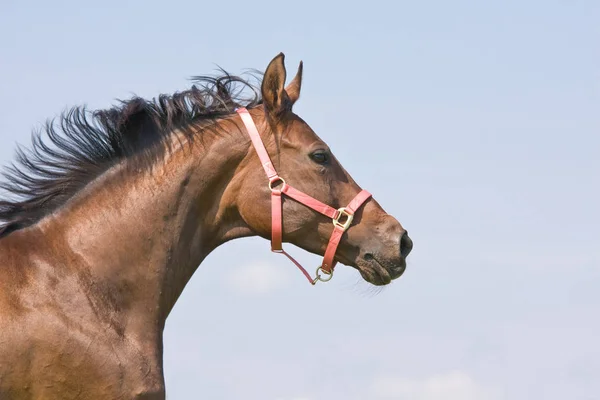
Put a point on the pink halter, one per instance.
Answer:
(342, 218)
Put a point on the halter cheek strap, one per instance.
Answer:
(341, 218)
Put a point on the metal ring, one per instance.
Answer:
(275, 180)
(319, 276)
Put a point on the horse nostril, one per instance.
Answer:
(406, 245)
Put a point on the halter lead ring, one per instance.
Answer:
(319, 277)
(341, 218)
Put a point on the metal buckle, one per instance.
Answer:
(319, 277)
(345, 224)
(276, 179)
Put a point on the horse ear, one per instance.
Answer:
(275, 98)
(293, 89)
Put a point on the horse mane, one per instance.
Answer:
(80, 145)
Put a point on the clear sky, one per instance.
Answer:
(477, 124)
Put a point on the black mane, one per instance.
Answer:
(81, 145)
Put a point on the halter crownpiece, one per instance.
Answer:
(341, 218)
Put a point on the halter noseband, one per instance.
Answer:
(342, 217)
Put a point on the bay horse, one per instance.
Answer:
(109, 219)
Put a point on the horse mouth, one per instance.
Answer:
(373, 271)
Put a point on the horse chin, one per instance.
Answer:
(376, 273)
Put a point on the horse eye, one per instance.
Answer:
(320, 157)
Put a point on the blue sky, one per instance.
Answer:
(475, 124)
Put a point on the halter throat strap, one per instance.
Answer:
(341, 218)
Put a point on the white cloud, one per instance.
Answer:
(455, 385)
(256, 279)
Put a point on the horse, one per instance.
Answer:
(110, 212)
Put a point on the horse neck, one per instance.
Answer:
(137, 238)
